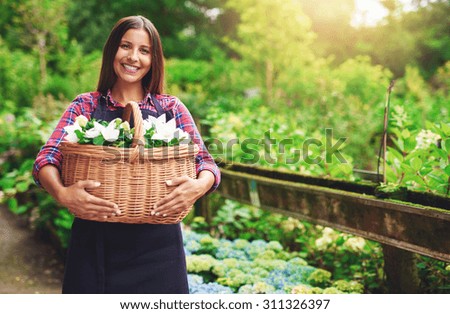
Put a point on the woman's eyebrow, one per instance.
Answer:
(124, 41)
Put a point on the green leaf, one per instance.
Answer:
(22, 186)
(10, 191)
(430, 126)
(400, 144)
(445, 128)
(446, 145)
(425, 170)
(20, 210)
(13, 204)
(447, 170)
(346, 168)
(406, 133)
(80, 134)
(395, 155)
(7, 183)
(442, 153)
(410, 177)
(436, 178)
(416, 163)
(99, 140)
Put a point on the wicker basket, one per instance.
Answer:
(133, 178)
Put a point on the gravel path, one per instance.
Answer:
(28, 264)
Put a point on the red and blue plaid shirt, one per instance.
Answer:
(85, 104)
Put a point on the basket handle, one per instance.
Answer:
(138, 137)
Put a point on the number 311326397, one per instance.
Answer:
(296, 304)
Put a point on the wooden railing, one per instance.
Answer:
(402, 227)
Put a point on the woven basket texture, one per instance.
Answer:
(133, 178)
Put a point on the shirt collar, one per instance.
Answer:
(111, 102)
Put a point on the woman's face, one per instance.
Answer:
(133, 57)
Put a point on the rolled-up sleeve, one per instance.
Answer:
(203, 160)
(50, 153)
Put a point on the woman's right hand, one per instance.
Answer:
(75, 197)
(82, 203)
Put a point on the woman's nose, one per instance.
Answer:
(132, 55)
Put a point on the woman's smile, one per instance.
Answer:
(130, 68)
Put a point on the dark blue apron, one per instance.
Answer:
(125, 258)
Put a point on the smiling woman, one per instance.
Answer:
(104, 256)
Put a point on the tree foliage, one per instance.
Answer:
(419, 37)
(90, 22)
(39, 26)
(273, 37)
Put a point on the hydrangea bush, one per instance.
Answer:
(241, 266)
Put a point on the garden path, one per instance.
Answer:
(28, 264)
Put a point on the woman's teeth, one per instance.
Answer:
(130, 68)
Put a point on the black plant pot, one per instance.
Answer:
(400, 194)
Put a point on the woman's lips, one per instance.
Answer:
(130, 68)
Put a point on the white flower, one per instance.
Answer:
(164, 131)
(328, 232)
(323, 243)
(328, 237)
(125, 126)
(81, 120)
(426, 138)
(182, 136)
(149, 122)
(70, 129)
(110, 133)
(95, 131)
(117, 122)
(126, 129)
(355, 244)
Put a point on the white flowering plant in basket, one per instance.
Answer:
(157, 132)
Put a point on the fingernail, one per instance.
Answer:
(116, 206)
(157, 214)
(169, 182)
(152, 212)
(105, 217)
(155, 206)
(97, 183)
(118, 212)
(164, 215)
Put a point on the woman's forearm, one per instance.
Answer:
(50, 180)
(207, 179)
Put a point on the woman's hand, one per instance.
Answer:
(81, 203)
(75, 197)
(185, 194)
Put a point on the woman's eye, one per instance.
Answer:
(124, 46)
(145, 51)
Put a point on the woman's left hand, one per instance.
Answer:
(185, 194)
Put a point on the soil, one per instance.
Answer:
(28, 262)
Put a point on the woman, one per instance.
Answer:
(115, 257)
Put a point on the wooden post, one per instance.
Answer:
(401, 271)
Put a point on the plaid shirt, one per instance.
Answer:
(85, 104)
